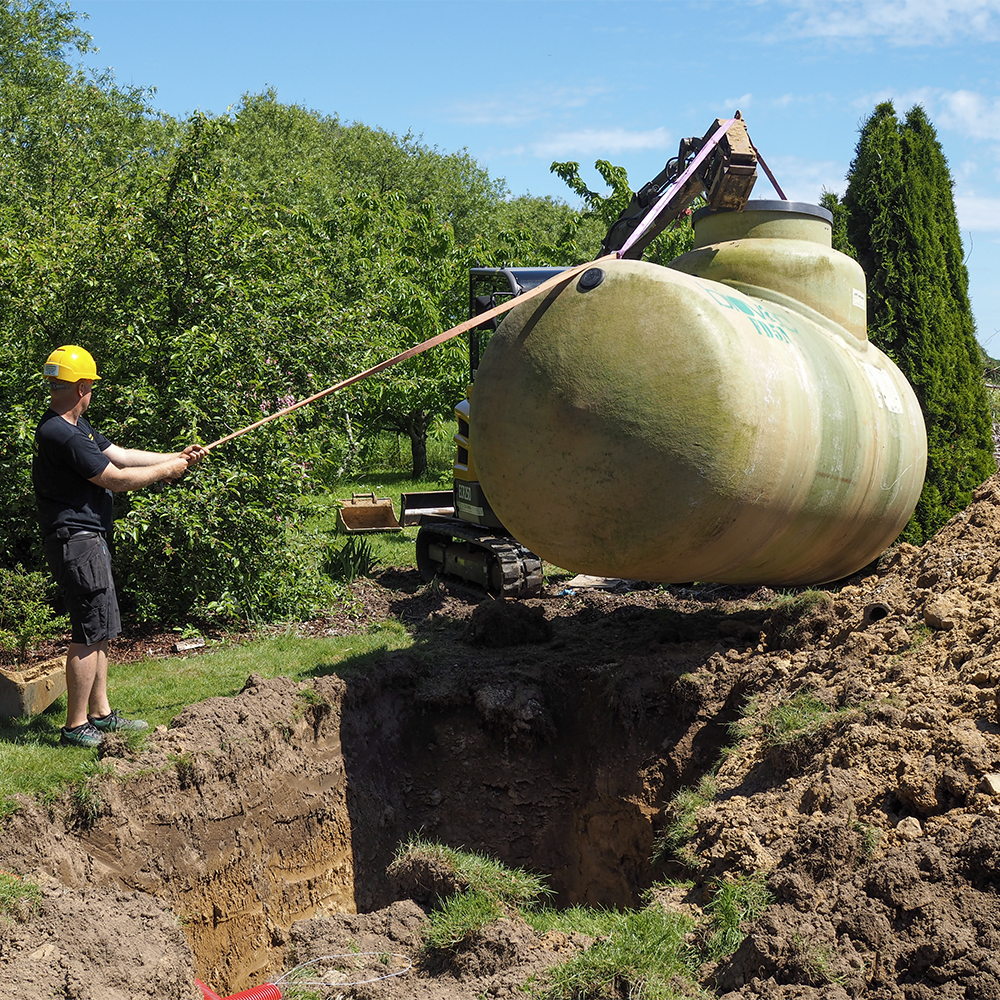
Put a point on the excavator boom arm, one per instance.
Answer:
(726, 178)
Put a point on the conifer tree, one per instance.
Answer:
(902, 225)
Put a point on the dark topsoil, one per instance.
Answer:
(878, 826)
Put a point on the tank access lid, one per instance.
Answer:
(762, 205)
(786, 220)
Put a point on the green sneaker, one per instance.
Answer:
(80, 736)
(115, 722)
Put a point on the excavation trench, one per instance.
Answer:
(288, 801)
(558, 753)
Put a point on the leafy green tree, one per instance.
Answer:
(210, 309)
(203, 307)
(404, 224)
(602, 211)
(73, 143)
(902, 224)
(460, 191)
(35, 38)
(546, 223)
(398, 267)
(67, 134)
(315, 160)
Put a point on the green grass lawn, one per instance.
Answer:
(393, 548)
(33, 761)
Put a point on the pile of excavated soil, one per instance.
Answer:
(256, 832)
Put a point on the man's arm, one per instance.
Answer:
(131, 469)
(135, 477)
(131, 458)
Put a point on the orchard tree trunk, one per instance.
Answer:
(417, 424)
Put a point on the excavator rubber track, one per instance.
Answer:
(476, 560)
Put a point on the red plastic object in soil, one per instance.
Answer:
(268, 991)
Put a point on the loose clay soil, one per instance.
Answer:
(257, 832)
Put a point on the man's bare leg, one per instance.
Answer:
(86, 682)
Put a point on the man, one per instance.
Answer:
(75, 471)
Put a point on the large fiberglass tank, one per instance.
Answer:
(724, 419)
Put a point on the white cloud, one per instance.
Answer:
(978, 214)
(741, 103)
(898, 22)
(518, 109)
(600, 142)
(970, 114)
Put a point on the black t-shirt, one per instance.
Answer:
(66, 457)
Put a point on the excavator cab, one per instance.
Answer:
(492, 286)
(467, 547)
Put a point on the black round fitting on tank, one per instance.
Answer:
(590, 278)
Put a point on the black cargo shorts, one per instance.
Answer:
(80, 562)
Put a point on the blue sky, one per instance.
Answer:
(523, 82)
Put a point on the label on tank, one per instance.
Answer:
(885, 391)
(764, 321)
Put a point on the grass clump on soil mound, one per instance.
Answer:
(470, 890)
(635, 953)
(736, 903)
(793, 716)
(682, 811)
(18, 897)
(655, 952)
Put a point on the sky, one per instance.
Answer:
(521, 83)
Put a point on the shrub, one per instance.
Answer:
(353, 559)
(25, 612)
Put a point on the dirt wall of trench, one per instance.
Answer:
(288, 801)
(543, 767)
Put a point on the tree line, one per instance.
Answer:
(218, 268)
(221, 266)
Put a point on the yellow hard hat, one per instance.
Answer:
(70, 364)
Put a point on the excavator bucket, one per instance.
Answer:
(414, 507)
(32, 690)
(365, 512)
